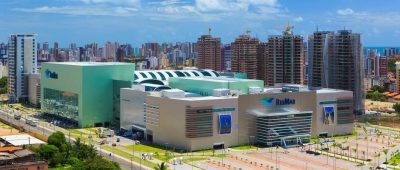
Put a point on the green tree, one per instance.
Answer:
(386, 151)
(49, 152)
(391, 65)
(83, 151)
(377, 88)
(3, 82)
(161, 166)
(97, 163)
(396, 107)
(375, 96)
(57, 139)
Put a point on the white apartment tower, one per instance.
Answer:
(22, 61)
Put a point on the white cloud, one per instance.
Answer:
(116, 2)
(347, 11)
(260, 2)
(298, 19)
(220, 5)
(72, 10)
(202, 10)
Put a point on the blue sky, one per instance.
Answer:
(138, 21)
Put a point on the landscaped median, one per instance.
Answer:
(128, 156)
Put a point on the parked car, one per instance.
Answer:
(17, 117)
(118, 139)
(114, 144)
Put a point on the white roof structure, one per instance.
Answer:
(164, 75)
(19, 140)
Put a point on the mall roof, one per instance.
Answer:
(219, 79)
(164, 75)
(90, 63)
(19, 140)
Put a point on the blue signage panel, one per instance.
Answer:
(225, 123)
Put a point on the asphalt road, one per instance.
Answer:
(46, 129)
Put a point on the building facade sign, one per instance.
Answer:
(278, 102)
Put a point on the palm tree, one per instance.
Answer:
(386, 151)
(161, 166)
(334, 144)
(363, 152)
(366, 137)
(355, 150)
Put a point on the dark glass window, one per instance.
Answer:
(205, 73)
(187, 74)
(161, 75)
(180, 74)
(195, 73)
(169, 74)
(144, 75)
(153, 75)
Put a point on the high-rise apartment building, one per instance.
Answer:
(281, 59)
(380, 66)
(209, 53)
(336, 61)
(55, 52)
(3, 53)
(244, 56)
(110, 51)
(22, 60)
(226, 57)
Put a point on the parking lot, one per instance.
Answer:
(364, 150)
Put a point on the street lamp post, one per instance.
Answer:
(131, 163)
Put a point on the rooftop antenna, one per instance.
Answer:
(209, 30)
(317, 28)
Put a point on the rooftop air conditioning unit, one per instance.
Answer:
(221, 92)
(173, 93)
(255, 90)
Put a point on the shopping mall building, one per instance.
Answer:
(192, 109)
(84, 93)
(206, 112)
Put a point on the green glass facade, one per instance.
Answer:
(84, 92)
(205, 86)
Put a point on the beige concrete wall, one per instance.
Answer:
(171, 127)
(337, 129)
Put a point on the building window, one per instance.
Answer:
(169, 74)
(144, 75)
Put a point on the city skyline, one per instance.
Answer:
(137, 22)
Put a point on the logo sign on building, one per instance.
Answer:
(225, 123)
(267, 101)
(50, 74)
(279, 102)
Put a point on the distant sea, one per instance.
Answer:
(380, 49)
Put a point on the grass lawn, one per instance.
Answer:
(146, 148)
(4, 126)
(220, 155)
(194, 159)
(244, 147)
(129, 156)
(395, 159)
(347, 136)
(92, 130)
(68, 167)
(74, 131)
(164, 158)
